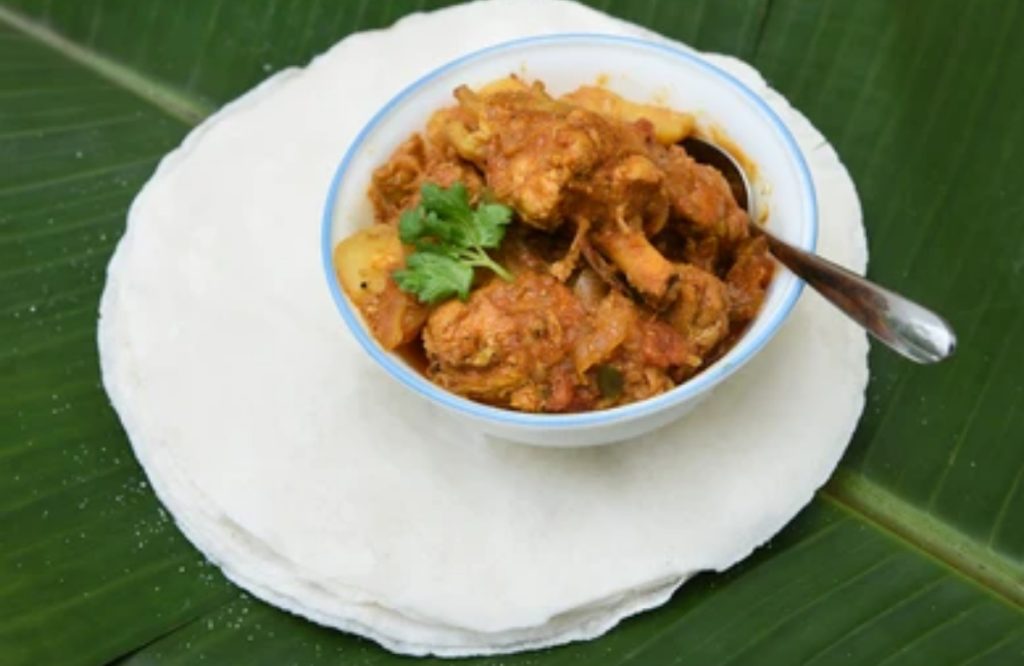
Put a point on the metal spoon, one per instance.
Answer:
(904, 326)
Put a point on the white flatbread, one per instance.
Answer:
(318, 484)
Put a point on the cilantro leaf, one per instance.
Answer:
(451, 239)
(451, 204)
(434, 277)
(490, 224)
(411, 225)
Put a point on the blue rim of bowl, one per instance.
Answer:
(705, 380)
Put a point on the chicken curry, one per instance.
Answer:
(554, 254)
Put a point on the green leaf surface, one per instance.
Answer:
(911, 555)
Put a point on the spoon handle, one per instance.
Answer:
(904, 326)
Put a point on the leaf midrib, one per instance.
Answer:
(922, 531)
(172, 101)
(849, 490)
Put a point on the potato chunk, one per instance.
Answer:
(364, 263)
(669, 126)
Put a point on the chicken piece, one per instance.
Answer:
(364, 263)
(701, 195)
(701, 310)
(536, 148)
(748, 279)
(653, 358)
(628, 190)
(396, 182)
(627, 345)
(547, 158)
(628, 197)
(534, 345)
(657, 344)
(552, 161)
(509, 344)
(395, 186)
(619, 329)
(447, 172)
(645, 268)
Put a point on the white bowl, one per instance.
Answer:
(640, 71)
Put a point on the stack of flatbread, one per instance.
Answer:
(318, 484)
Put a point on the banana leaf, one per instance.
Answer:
(912, 554)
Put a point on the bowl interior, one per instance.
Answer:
(640, 71)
